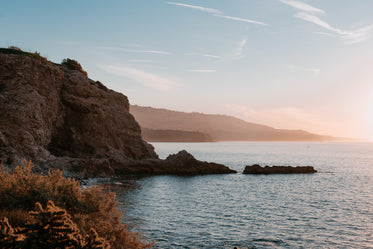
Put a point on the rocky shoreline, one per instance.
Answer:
(55, 116)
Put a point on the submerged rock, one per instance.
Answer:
(257, 169)
(181, 163)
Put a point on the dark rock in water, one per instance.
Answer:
(257, 169)
(181, 163)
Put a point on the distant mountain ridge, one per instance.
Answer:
(151, 135)
(217, 127)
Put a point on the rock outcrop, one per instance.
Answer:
(181, 163)
(58, 117)
(257, 169)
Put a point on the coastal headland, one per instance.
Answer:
(55, 116)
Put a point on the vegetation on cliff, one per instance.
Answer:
(18, 51)
(84, 216)
(73, 65)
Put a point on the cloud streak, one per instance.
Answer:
(240, 48)
(241, 19)
(218, 13)
(212, 56)
(204, 9)
(308, 13)
(144, 78)
(303, 6)
(354, 36)
(160, 52)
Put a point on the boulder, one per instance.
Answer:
(257, 169)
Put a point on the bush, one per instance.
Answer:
(51, 227)
(73, 65)
(15, 48)
(89, 208)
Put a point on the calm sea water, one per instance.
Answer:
(329, 209)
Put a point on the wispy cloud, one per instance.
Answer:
(144, 78)
(217, 13)
(353, 36)
(204, 9)
(308, 13)
(303, 6)
(201, 70)
(212, 56)
(240, 48)
(204, 55)
(136, 51)
(241, 19)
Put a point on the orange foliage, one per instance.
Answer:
(89, 208)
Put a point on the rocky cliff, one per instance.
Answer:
(59, 117)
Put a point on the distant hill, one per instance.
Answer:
(151, 135)
(217, 127)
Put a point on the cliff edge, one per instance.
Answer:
(59, 117)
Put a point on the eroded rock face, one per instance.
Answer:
(257, 169)
(56, 116)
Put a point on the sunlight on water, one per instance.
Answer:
(330, 209)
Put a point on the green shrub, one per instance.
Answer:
(73, 65)
(89, 208)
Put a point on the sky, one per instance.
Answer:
(288, 64)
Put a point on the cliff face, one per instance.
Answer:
(52, 115)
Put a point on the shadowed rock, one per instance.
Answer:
(181, 163)
(56, 116)
(257, 169)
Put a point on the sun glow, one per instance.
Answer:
(368, 120)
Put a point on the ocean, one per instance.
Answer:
(330, 209)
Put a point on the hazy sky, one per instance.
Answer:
(284, 63)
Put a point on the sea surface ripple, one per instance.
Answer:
(329, 209)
